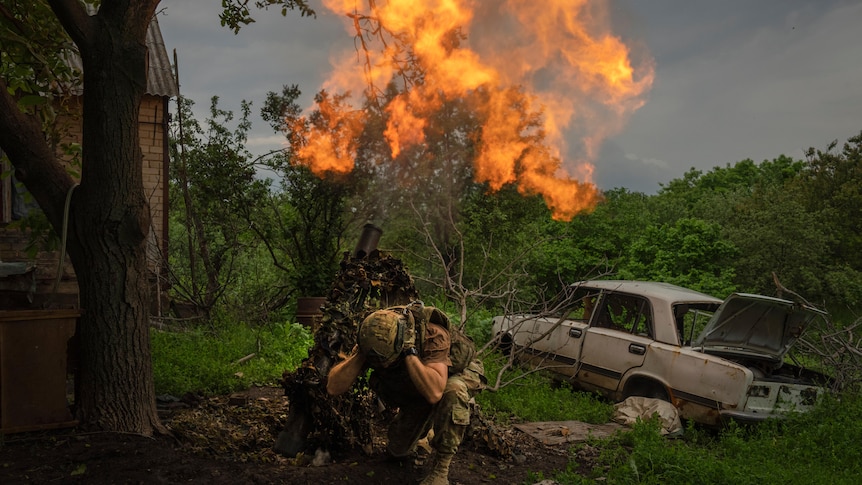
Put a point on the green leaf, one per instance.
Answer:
(32, 100)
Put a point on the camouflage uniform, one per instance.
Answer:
(449, 417)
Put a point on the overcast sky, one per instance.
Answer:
(734, 79)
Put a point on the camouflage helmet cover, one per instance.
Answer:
(381, 337)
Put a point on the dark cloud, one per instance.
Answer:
(615, 168)
(739, 80)
(735, 79)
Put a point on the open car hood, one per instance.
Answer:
(756, 326)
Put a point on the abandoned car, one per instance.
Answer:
(714, 360)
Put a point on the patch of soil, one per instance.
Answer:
(228, 440)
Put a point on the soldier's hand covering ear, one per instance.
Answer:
(409, 331)
(357, 349)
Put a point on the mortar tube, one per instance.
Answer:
(368, 240)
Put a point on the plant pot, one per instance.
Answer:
(308, 309)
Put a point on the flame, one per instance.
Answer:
(329, 140)
(405, 127)
(554, 57)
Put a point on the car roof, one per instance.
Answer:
(653, 290)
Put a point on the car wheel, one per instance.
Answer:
(646, 388)
(506, 344)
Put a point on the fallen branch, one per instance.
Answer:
(245, 359)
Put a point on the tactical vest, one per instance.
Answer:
(462, 350)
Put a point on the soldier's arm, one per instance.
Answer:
(342, 376)
(429, 379)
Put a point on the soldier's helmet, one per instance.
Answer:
(381, 337)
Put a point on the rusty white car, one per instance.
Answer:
(714, 360)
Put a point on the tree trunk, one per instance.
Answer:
(109, 219)
(111, 222)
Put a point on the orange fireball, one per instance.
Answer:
(556, 57)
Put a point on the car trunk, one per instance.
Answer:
(755, 328)
(757, 332)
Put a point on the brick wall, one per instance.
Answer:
(17, 291)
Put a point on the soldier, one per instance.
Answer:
(413, 376)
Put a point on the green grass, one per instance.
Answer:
(533, 397)
(813, 448)
(821, 446)
(204, 360)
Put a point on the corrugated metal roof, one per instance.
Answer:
(160, 76)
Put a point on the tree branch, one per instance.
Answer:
(74, 18)
(22, 139)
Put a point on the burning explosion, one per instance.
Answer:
(558, 53)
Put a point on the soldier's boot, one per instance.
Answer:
(440, 473)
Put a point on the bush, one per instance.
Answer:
(479, 327)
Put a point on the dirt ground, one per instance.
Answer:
(228, 440)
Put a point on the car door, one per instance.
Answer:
(565, 340)
(555, 340)
(617, 340)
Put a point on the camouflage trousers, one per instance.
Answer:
(449, 418)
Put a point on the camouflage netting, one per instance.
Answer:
(361, 286)
(319, 421)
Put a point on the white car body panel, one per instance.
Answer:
(595, 352)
